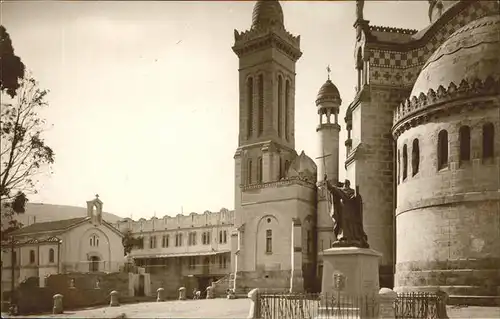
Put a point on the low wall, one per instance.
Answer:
(34, 299)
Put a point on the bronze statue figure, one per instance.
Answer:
(346, 210)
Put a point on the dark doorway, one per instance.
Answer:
(206, 265)
(140, 291)
(94, 264)
(203, 283)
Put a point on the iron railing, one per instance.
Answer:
(419, 305)
(330, 306)
(311, 306)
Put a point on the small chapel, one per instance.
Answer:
(82, 244)
(423, 148)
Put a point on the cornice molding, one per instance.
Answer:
(392, 30)
(32, 241)
(296, 180)
(269, 39)
(417, 110)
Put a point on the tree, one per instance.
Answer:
(129, 241)
(12, 68)
(24, 154)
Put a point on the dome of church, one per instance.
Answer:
(472, 52)
(266, 13)
(328, 92)
(304, 167)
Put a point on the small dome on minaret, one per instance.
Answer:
(267, 13)
(328, 93)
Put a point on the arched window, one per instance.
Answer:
(405, 162)
(287, 166)
(464, 136)
(280, 105)
(32, 256)
(359, 68)
(249, 171)
(259, 170)
(280, 168)
(399, 166)
(287, 109)
(415, 157)
(442, 149)
(164, 241)
(225, 236)
(269, 241)
(51, 255)
(249, 107)
(488, 140)
(261, 104)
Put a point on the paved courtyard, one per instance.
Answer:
(214, 308)
(221, 308)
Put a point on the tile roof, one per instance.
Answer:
(48, 226)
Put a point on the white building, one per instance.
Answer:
(84, 244)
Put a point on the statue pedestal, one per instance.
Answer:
(350, 282)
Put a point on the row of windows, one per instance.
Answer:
(33, 256)
(283, 108)
(191, 261)
(283, 168)
(192, 239)
(488, 143)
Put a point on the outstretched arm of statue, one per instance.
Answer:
(336, 191)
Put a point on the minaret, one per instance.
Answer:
(328, 103)
(267, 56)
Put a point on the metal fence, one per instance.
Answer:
(329, 306)
(309, 306)
(420, 305)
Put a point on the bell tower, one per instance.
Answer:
(267, 56)
(94, 210)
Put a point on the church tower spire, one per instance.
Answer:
(267, 55)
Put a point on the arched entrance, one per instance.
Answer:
(94, 264)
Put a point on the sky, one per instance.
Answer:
(144, 95)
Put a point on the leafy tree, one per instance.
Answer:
(129, 241)
(24, 155)
(12, 68)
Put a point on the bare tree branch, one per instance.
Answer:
(24, 154)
